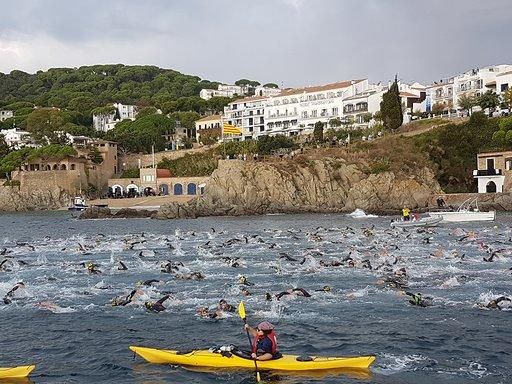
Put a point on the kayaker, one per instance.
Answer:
(264, 346)
(406, 214)
(157, 306)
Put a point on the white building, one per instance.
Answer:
(249, 114)
(106, 122)
(4, 115)
(475, 82)
(16, 138)
(295, 111)
(207, 123)
(236, 90)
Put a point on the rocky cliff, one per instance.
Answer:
(305, 185)
(12, 200)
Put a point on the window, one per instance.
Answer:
(335, 111)
(305, 114)
(314, 113)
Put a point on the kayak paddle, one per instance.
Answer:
(241, 312)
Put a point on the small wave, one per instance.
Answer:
(359, 214)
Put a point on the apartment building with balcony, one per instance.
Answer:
(494, 172)
(295, 111)
(249, 115)
(120, 112)
(474, 82)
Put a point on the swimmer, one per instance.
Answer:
(325, 288)
(245, 292)
(121, 266)
(224, 306)
(191, 276)
(122, 301)
(157, 306)
(293, 291)
(10, 295)
(494, 304)
(205, 313)
(418, 300)
(268, 296)
(91, 268)
(149, 283)
(243, 280)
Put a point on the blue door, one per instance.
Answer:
(191, 189)
(178, 189)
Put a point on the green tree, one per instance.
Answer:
(95, 155)
(44, 122)
(508, 137)
(318, 132)
(4, 148)
(335, 123)
(271, 85)
(507, 99)
(498, 138)
(246, 82)
(437, 109)
(489, 100)
(14, 160)
(217, 103)
(467, 103)
(391, 107)
(505, 124)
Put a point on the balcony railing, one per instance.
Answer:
(487, 172)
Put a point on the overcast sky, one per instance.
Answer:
(289, 42)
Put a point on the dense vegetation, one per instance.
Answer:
(453, 148)
(66, 98)
(15, 159)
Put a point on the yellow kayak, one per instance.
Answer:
(16, 372)
(205, 358)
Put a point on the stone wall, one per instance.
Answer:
(68, 181)
(132, 160)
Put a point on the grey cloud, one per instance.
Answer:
(294, 42)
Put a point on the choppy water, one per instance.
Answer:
(83, 339)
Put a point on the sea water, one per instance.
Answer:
(63, 320)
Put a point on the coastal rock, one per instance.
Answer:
(96, 213)
(327, 185)
(12, 200)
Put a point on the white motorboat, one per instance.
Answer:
(423, 222)
(467, 211)
(78, 204)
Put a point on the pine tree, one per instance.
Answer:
(391, 107)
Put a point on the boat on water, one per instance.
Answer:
(236, 359)
(423, 222)
(16, 372)
(467, 211)
(78, 204)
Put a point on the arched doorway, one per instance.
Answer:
(149, 191)
(117, 190)
(490, 187)
(63, 167)
(164, 189)
(132, 190)
(191, 189)
(201, 188)
(178, 189)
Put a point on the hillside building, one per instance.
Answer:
(494, 172)
(107, 122)
(17, 138)
(5, 114)
(249, 115)
(206, 124)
